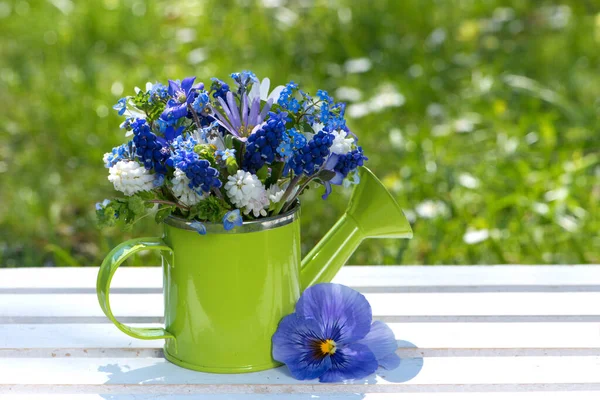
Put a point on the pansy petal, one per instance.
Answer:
(292, 346)
(187, 84)
(380, 340)
(354, 361)
(343, 314)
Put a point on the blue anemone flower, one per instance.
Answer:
(232, 219)
(331, 336)
(181, 95)
(171, 133)
(198, 227)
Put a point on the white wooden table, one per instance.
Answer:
(518, 333)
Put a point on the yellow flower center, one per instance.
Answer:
(328, 347)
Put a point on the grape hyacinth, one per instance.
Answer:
(262, 145)
(150, 148)
(350, 161)
(198, 171)
(310, 158)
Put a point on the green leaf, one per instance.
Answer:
(232, 165)
(326, 175)
(163, 213)
(276, 171)
(263, 173)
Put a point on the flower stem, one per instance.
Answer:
(291, 202)
(288, 191)
(168, 203)
(218, 193)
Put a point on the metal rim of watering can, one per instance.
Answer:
(258, 225)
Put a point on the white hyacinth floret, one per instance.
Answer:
(181, 189)
(130, 177)
(342, 144)
(247, 193)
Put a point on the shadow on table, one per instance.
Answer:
(165, 373)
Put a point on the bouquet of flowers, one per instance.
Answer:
(225, 154)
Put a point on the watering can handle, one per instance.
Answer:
(108, 268)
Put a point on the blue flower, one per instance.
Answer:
(181, 95)
(198, 227)
(151, 149)
(287, 95)
(225, 154)
(158, 92)
(343, 165)
(201, 102)
(232, 219)
(219, 88)
(123, 152)
(298, 139)
(121, 106)
(310, 158)
(100, 206)
(262, 145)
(284, 149)
(198, 171)
(171, 132)
(244, 80)
(331, 336)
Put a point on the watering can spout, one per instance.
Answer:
(371, 213)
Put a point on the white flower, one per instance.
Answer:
(275, 193)
(247, 193)
(130, 177)
(148, 87)
(262, 91)
(182, 190)
(341, 143)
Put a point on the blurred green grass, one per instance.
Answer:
(481, 117)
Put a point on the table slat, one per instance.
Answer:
(147, 375)
(59, 339)
(370, 278)
(383, 304)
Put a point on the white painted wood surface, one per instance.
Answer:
(524, 333)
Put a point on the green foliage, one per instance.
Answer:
(479, 116)
(153, 109)
(210, 209)
(126, 210)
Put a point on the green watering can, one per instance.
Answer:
(226, 292)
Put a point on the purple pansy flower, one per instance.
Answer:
(241, 121)
(331, 336)
(181, 95)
